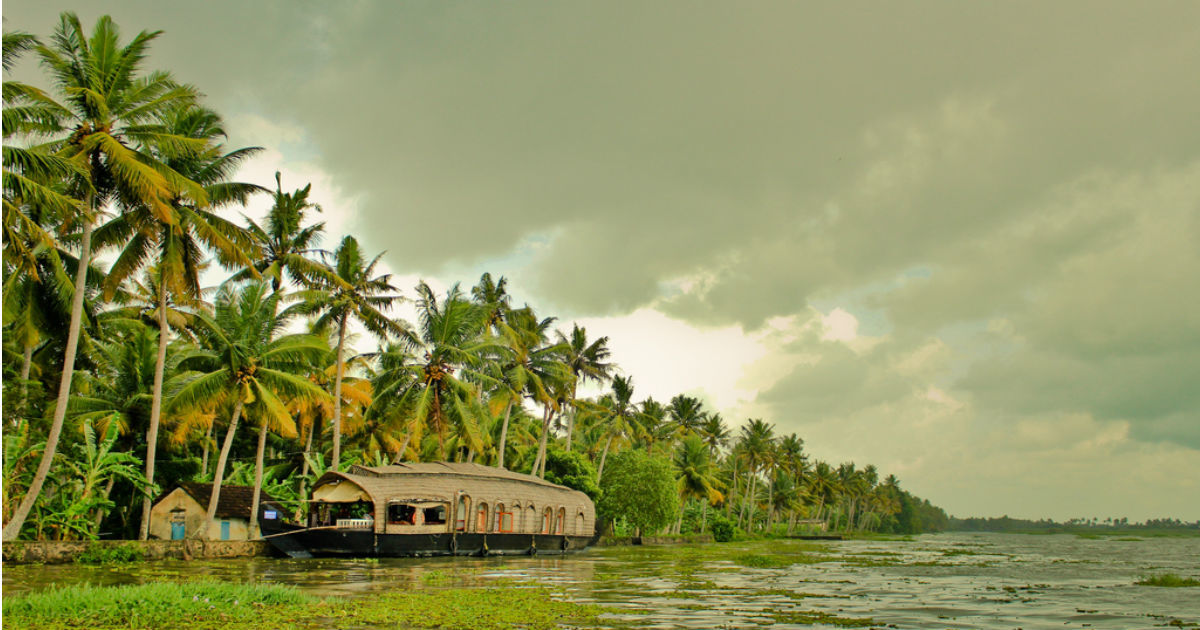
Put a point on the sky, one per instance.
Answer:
(955, 240)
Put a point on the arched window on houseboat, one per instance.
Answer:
(481, 518)
(504, 519)
(530, 526)
(580, 521)
(460, 513)
(561, 522)
(547, 520)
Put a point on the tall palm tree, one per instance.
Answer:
(621, 419)
(246, 362)
(110, 111)
(587, 361)
(438, 392)
(697, 476)
(348, 290)
(687, 413)
(493, 294)
(530, 365)
(289, 247)
(714, 433)
(177, 245)
(756, 441)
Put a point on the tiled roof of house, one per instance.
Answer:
(234, 502)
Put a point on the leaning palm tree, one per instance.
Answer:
(110, 111)
(246, 362)
(345, 291)
(177, 245)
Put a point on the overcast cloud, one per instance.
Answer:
(957, 240)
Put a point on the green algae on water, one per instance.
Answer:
(213, 605)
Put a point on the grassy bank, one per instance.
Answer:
(212, 605)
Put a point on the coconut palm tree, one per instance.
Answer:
(110, 111)
(349, 291)
(714, 433)
(587, 361)
(687, 413)
(437, 391)
(245, 362)
(757, 437)
(177, 246)
(529, 366)
(289, 247)
(697, 476)
(621, 416)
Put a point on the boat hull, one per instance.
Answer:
(296, 541)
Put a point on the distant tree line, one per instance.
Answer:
(1008, 524)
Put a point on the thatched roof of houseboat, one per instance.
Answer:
(441, 479)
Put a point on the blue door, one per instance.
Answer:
(224, 530)
(176, 531)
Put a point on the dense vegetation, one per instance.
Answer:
(123, 380)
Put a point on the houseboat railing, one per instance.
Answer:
(355, 523)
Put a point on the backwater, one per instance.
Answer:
(933, 581)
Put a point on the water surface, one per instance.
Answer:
(989, 581)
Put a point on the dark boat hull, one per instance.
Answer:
(296, 541)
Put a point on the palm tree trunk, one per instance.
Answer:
(13, 527)
(254, 532)
(603, 457)
(204, 457)
(571, 418)
(504, 432)
(26, 365)
(219, 473)
(541, 454)
(337, 396)
(403, 447)
(164, 336)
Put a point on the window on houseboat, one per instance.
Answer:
(481, 519)
(460, 514)
(434, 515)
(504, 519)
(546, 520)
(402, 514)
(530, 524)
(579, 520)
(559, 523)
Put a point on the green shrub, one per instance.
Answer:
(721, 528)
(111, 554)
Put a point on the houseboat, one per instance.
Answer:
(435, 509)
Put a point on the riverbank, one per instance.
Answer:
(102, 551)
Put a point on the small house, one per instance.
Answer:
(180, 513)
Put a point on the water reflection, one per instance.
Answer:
(944, 581)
